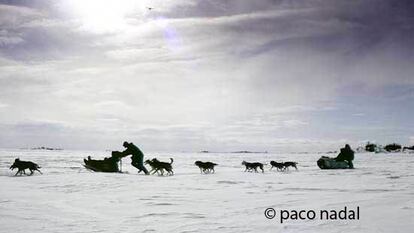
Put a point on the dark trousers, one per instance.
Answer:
(140, 167)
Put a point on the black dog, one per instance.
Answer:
(278, 166)
(158, 166)
(151, 164)
(205, 167)
(252, 166)
(23, 165)
(290, 164)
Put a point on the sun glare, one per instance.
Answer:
(106, 15)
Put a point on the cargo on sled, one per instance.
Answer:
(330, 163)
(109, 164)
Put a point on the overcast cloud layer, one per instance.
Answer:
(206, 75)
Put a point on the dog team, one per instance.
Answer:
(160, 167)
(137, 158)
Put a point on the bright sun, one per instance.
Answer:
(106, 15)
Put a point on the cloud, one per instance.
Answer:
(3, 105)
(411, 140)
(217, 73)
(7, 39)
(12, 17)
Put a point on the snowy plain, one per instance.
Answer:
(69, 198)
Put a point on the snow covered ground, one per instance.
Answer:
(68, 198)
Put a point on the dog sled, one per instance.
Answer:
(106, 165)
(330, 163)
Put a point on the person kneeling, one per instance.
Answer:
(346, 154)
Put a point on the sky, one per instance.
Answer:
(218, 75)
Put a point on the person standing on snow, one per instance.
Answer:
(137, 156)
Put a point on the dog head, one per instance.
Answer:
(198, 163)
(244, 162)
(14, 165)
(152, 162)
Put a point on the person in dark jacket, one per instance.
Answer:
(346, 154)
(137, 156)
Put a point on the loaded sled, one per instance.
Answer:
(106, 165)
(330, 163)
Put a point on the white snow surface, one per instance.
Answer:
(69, 198)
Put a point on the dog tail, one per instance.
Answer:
(172, 160)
